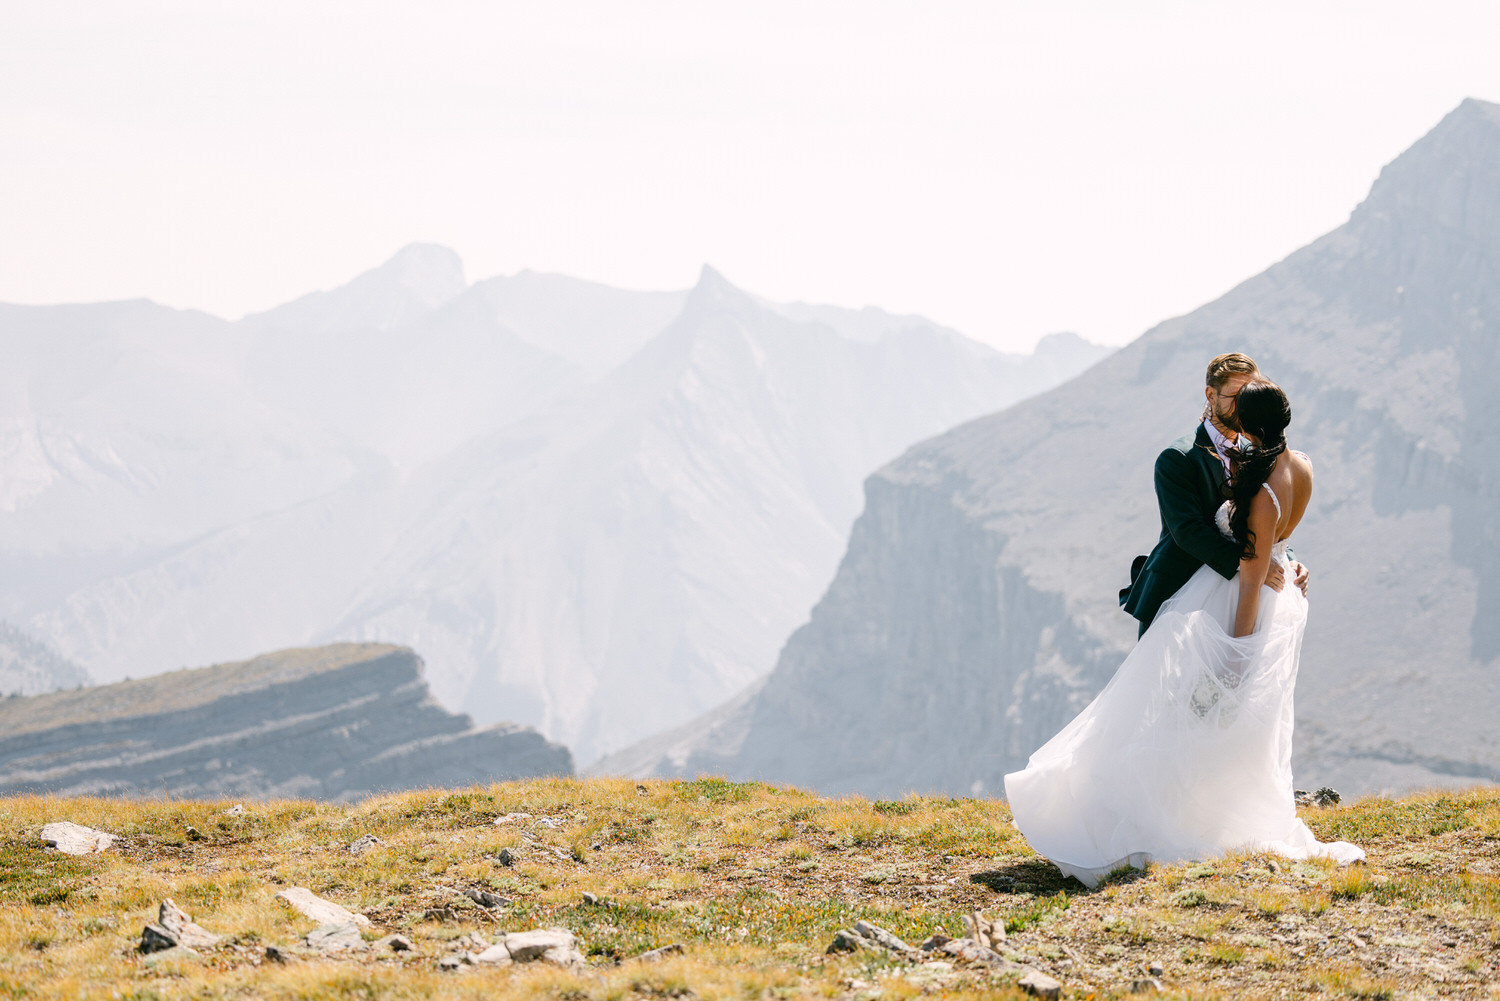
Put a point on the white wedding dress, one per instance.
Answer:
(1186, 753)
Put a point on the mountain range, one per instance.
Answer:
(974, 611)
(594, 511)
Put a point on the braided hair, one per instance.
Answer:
(1263, 411)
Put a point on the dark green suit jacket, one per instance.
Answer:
(1189, 490)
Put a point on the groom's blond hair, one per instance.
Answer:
(1226, 365)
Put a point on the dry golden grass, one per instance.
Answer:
(753, 880)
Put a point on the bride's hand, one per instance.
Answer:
(1299, 577)
(1276, 577)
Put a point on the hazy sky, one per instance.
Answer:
(1007, 168)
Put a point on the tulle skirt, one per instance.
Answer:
(1187, 752)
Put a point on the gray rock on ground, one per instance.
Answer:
(336, 939)
(484, 898)
(495, 955)
(324, 912)
(1040, 985)
(396, 943)
(985, 931)
(881, 937)
(75, 839)
(654, 955)
(554, 945)
(174, 928)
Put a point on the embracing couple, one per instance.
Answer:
(1187, 752)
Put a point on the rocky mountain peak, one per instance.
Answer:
(433, 274)
(1449, 178)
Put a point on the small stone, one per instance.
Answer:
(554, 945)
(193, 834)
(276, 954)
(846, 940)
(75, 839)
(363, 844)
(450, 962)
(1039, 984)
(511, 818)
(495, 955)
(236, 810)
(155, 938)
(935, 941)
(880, 937)
(325, 912)
(177, 922)
(484, 898)
(332, 939)
(1155, 968)
(1148, 986)
(396, 943)
(550, 823)
(1326, 796)
(596, 848)
(590, 899)
(506, 857)
(641, 790)
(653, 955)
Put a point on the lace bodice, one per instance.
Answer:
(1226, 510)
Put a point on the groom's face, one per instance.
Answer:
(1221, 400)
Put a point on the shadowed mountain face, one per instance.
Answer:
(595, 511)
(337, 722)
(975, 609)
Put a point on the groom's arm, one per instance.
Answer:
(1184, 519)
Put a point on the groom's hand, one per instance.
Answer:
(1299, 577)
(1275, 577)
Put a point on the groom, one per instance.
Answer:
(1190, 477)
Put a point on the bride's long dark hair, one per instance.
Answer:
(1262, 410)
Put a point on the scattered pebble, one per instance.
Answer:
(511, 818)
(506, 857)
(651, 956)
(590, 899)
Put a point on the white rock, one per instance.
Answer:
(555, 945)
(75, 839)
(1038, 983)
(336, 938)
(512, 818)
(324, 912)
(495, 955)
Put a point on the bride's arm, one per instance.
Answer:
(1253, 570)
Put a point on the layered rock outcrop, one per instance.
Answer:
(975, 609)
(336, 722)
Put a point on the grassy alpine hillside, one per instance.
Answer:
(752, 881)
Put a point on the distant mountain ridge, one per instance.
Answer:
(339, 722)
(29, 667)
(594, 511)
(974, 610)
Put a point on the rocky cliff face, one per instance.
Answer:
(974, 611)
(336, 722)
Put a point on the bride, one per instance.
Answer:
(1186, 753)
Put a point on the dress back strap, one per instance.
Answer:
(1274, 500)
